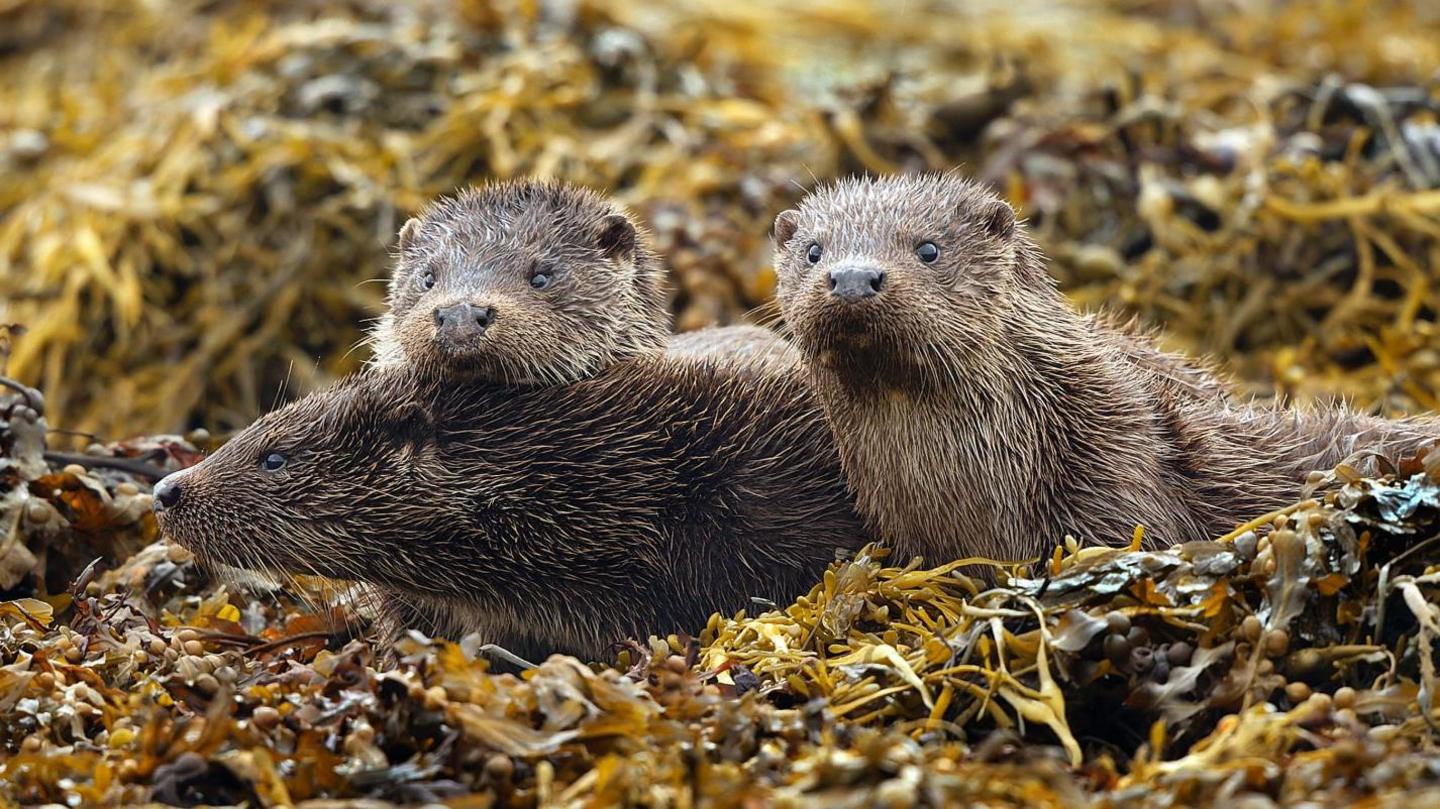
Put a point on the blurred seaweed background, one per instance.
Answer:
(196, 195)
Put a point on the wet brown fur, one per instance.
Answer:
(738, 344)
(559, 518)
(977, 412)
(605, 301)
(1185, 377)
(606, 304)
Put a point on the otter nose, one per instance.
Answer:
(851, 284)
(463, 320)
(166, 494)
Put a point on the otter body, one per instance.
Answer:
(560, 518)
(1178, 375)
(977, 412)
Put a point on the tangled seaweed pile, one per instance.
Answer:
(1285, 219)
(194, 193)
(1294, 659)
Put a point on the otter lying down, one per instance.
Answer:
(547, 518)
(551, 519)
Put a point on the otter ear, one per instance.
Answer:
(408, 233)
(616, 237)
(786, 223)
(998, 219)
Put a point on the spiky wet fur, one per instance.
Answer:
(604, 304)
(977, 412)
(742, 344)
(547, 518)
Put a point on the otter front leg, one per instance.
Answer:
(394, 616)
(397, 614)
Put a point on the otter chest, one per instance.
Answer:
(931, 484)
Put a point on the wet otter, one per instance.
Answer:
(978, 413)
(740, 344)
(1186, 377)
(528, 281)
(560, 518)
(536, 281)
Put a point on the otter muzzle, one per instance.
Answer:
(463, 322)
(166, 493)
(851, 284)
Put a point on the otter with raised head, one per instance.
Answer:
(560, 518)
(529, 281)
(536, 282)
(977, 412)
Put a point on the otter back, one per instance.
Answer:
(738, 344)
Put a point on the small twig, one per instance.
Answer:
(319, 634)
(507, 655)
(33, 397)
(133, 466)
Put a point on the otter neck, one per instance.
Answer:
(1000, 441)
(655, 324)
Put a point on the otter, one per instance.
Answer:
(537, 281)
(1187, 377)
(549, 518)
(525, 281)
(977, 412)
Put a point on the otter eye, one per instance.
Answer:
(928, 252)
(428, 280)
(272, 462)
(812, 255)
(540, 280)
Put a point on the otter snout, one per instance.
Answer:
(463, 322)
(851, 284)
(167, 493)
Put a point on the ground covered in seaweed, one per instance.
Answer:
(1292, 660)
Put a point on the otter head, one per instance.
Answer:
(523, 282)
(883, 281)
(328, 485)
